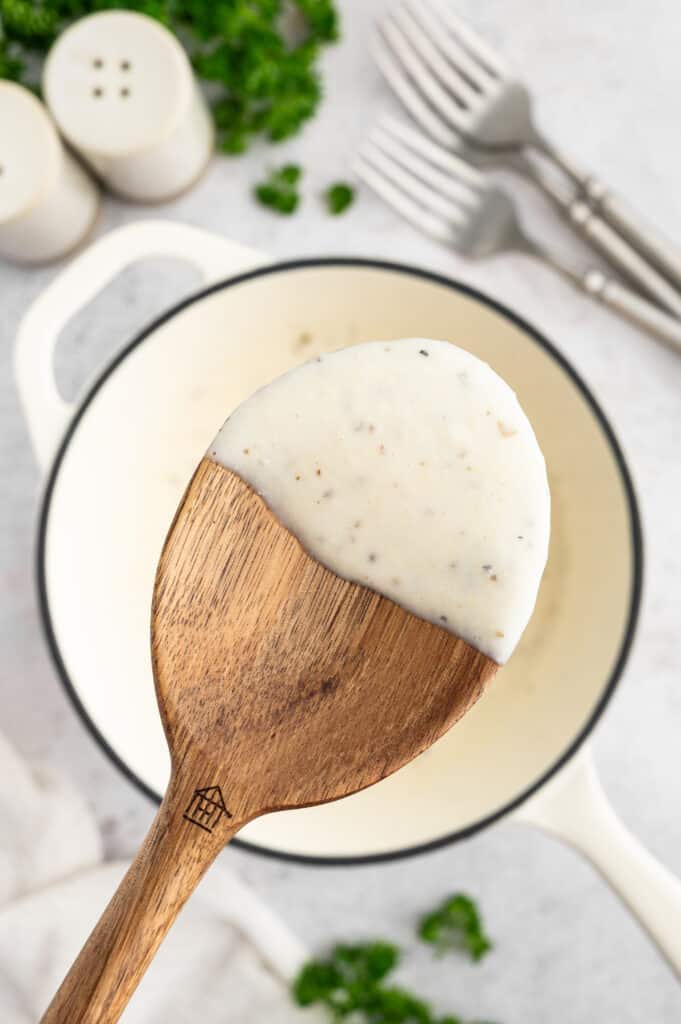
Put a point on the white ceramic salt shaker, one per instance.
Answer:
(122, 92)
(47, 201)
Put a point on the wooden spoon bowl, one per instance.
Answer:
(280, 685)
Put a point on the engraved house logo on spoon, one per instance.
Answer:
(206, 808)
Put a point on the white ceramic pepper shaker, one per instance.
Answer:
(122, 92)
(47, 201)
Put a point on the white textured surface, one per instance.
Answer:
(566, 950)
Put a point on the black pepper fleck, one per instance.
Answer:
(487, 568)
(372, 557)
(422, 352)
(443, 618)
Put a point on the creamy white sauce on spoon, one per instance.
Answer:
(409, 467)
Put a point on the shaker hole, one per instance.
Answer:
(97, 92)
(98, 63)
(125, 65)
(125, 92)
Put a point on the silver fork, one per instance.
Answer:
(453, 75)
(444, 196)
(392, 59)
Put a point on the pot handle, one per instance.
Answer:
(574, 807)
(46, 412)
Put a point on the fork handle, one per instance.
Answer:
(616, 212)
(650, 242)
(632, 307)
(623, 256)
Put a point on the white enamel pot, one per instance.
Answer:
(116, 465)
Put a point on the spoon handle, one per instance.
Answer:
(190, 829)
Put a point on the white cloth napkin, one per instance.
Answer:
(228, 958)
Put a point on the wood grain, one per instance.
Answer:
(280, 685)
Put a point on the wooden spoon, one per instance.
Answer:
(280, 685)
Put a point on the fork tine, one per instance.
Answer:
(423, 77)
(459, 66)
(409, 96)
(476, 46)
(447, 73)
(405, 206)
(442, 158)
(450, 210)
(464, 195)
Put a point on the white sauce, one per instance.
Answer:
(409, 467)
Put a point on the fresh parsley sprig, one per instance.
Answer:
(350, 985)
(456, 924)
(348, 980)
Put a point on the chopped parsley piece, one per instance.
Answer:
(338, 197)
(279, 191)
(289, 174)
(456, 924)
